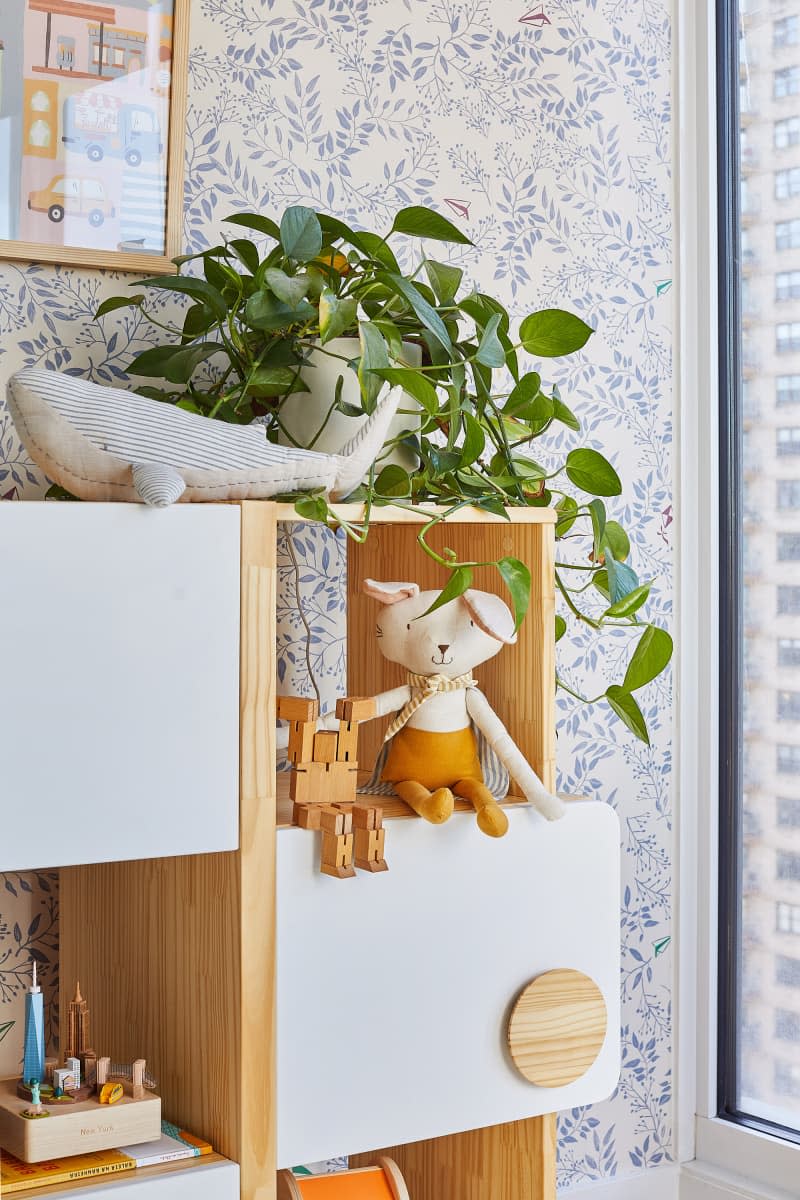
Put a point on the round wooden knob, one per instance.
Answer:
(557, 1028)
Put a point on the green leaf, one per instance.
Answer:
(474, 441)
(617, 540)
(115, 302)
(561, 627)
(257, 222)
(312, 508)
(490, 352)
(334, 229)
(291, 289)
(393, 481)
(182, 365)
(592, 473)
(649, 658)
(265, 311)
(567, 509)
(424, 311)
(272, 381)
(622, 579)
(418, 221)
(153, 363)
(300, 234)
(374, 357)
(199, 289)
(460, 579)
(629, 604)
(445, 280)
(517, 579)
(335, 315)
(597, 511)
(565, 415)
(553, 332)
(246, 252)
(628, 712)
(376, 248)
(415, 384)
(523, 394)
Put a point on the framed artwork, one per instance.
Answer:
(92, 112)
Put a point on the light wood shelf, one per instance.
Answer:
(178, 955)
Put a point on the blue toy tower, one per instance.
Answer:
(33, 1053)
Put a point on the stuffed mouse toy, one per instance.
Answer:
(445, 740)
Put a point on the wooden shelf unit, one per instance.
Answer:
(178, 954)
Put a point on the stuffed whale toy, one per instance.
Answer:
(104, 443)
(445, 739)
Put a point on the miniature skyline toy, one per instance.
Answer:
(78, 1092)
(323, 785)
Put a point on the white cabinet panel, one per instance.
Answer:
(212, 1181)
(119, 702)
(394, 989)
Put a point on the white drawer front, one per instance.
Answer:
(215, 1181)
(394, 989)
(120, 696)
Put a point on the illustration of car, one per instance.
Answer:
(67, 195)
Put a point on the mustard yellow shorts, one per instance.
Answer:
(433, 759)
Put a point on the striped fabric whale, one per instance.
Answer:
(104, 443)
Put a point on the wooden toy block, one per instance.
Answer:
(355, 708)
(295, 708)
(335, 820)
(347, 750)
(337, 855)
(369, 849)
(301, 741)
(306, 815)
(307, 783)
(137, 1078)
(325, 743)
(342, 782)
(367, 816)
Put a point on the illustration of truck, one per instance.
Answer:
(69, 196)
(104, 125)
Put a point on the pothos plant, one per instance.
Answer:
(260, 306)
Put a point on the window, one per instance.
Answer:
(787, 1079)
(787, 235)
(787, 133)
(786, 32)
(787, 1025)
(788, 706)
(788, 440)
(789, 547)
(789, 652)
(787, 183)
(787, 971)
(786, 82)
(787, 337)
(788, 865)
(787, 919)
(787, 389)
(787, 285)
(788, 812)
(788, 759)
(788, 497)
(788, 600)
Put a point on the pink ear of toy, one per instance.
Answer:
(389, 593)
(491, 615)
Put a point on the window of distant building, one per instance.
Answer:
(787, 440)
(788, 706)
(786, 32)
(787, 864)
(787, 970)
(787, 133)
(787, 183)
(786, 82)
(789, 498)
(787, 285)
(789, 652)
(787, 389)
(789, 547)
(787, 337)
(788, 813)
(787, 234)
(788, 759)
(787, 918)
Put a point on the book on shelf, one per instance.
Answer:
(174, 1144)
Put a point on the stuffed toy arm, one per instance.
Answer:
(495, 732)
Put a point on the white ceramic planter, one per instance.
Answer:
(304, 413)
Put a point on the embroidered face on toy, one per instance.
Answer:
(449, 641)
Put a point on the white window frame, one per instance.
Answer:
(718, 1159)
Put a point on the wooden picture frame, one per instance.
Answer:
(66, 71)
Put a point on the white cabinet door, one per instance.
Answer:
(119, 695)
(205, 1181)
(394, 990)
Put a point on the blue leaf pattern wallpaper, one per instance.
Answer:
(544, 130)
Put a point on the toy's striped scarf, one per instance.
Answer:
(423, 687)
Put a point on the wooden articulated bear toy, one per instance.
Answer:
(445, 739)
